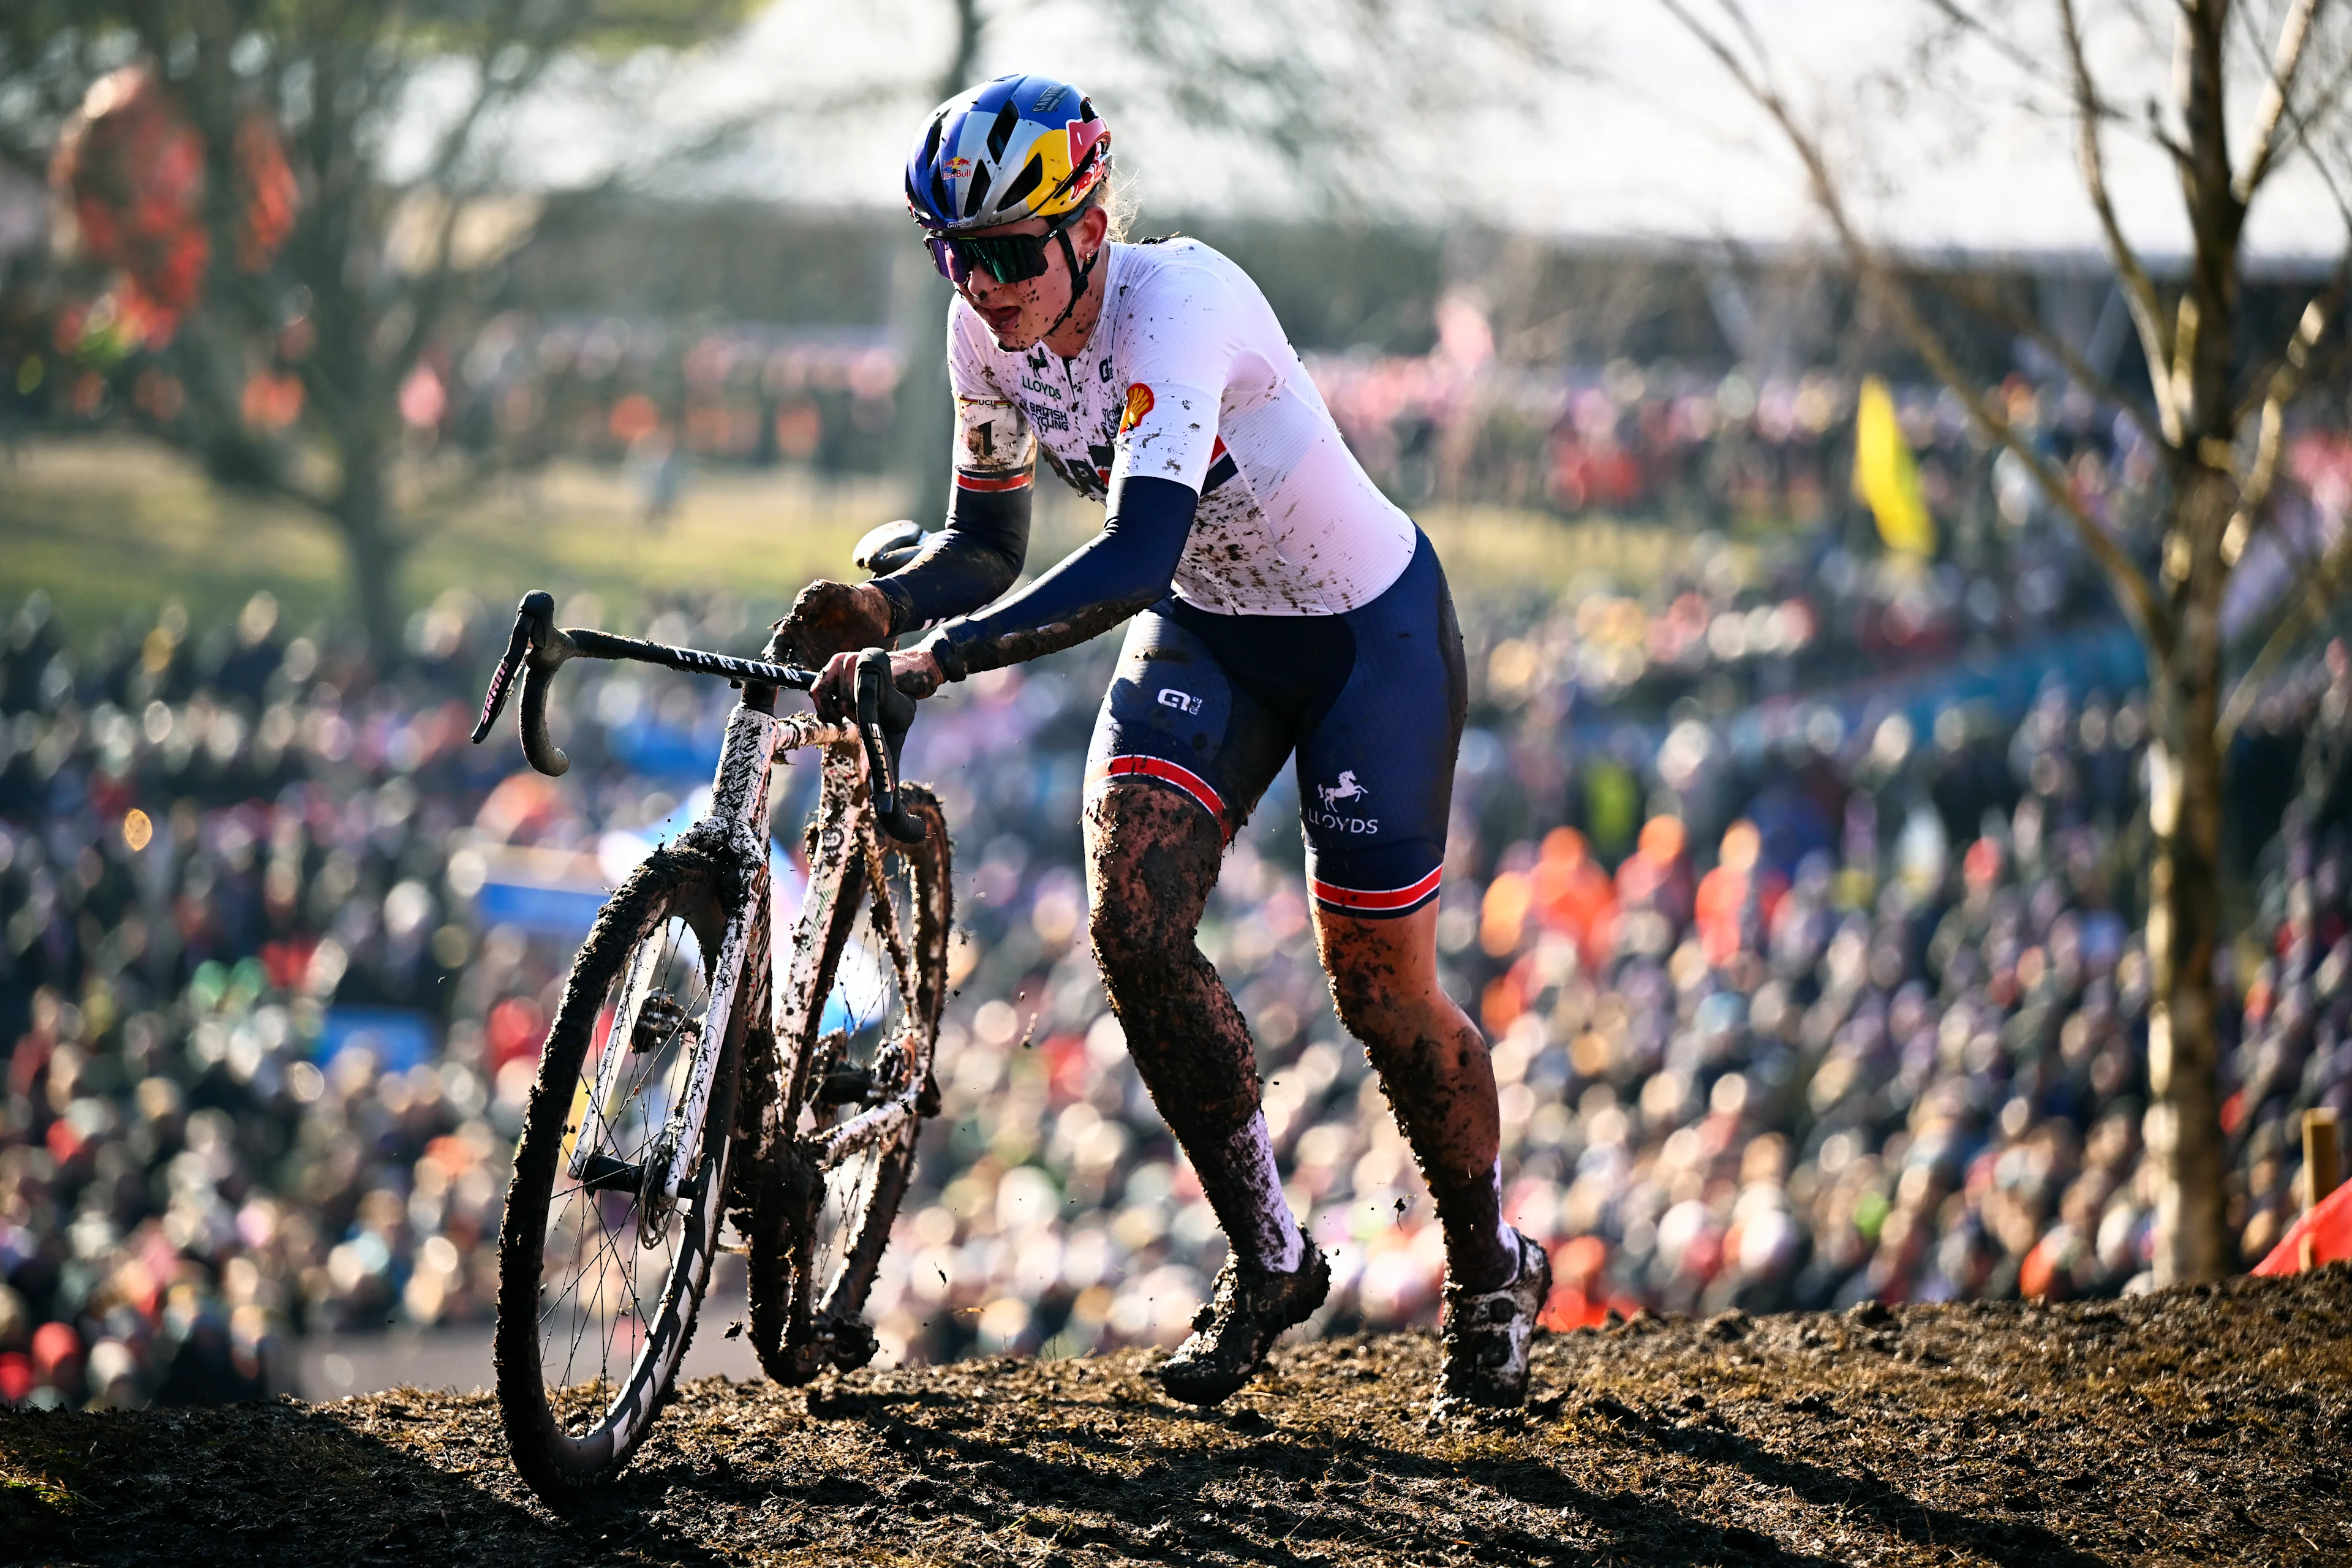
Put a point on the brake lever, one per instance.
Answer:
(539, 649)
(885, 713)
(502, 679)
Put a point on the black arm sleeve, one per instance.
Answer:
(1125, 568)
(965, 564)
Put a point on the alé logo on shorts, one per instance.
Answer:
(1334, 796)
(1182, 701)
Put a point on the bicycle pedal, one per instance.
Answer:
(603, 1173)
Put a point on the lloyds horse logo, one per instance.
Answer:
(1346, 789)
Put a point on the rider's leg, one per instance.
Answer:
(1435, 1068)
(1152, 858)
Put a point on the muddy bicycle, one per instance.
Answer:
(695, 1097)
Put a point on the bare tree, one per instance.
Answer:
(2215, 408)
(345, 305)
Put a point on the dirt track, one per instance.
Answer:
(2202, 1426)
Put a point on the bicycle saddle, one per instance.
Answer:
(889, 547)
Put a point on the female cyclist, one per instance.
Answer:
(1280, 605)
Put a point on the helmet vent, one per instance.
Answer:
(1026, 181)
(1000, 135)
(941, 203)
(978, 189)
(931, 140)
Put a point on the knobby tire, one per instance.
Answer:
(675, 882)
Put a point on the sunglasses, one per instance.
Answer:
(1007, 258)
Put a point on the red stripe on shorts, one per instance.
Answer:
(991, 482)
(1191, 782)
(1389, 900)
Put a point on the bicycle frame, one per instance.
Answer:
(879, 1123)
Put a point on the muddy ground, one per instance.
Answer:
(2213, 1425)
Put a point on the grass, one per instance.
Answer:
(111, 526)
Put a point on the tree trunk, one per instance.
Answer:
(925, 440)
(2184, 933)
(361, 514)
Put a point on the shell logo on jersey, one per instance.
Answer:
(1138, 404)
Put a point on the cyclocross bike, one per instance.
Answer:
(692, 1100)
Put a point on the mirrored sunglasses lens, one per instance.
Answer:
(947, 256)
(1010, 258)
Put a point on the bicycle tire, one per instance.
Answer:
(695, 890)
(810, 1266)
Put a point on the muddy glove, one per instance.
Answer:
(828, 618)
(913, 673)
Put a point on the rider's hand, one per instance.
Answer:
(828, 618)
(914, 672)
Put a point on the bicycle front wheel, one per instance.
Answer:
(858, 1015)
(600, 1272)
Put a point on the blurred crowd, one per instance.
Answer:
(1852, 1005)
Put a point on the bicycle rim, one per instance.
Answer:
(600, 1278)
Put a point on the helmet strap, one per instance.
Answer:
(1079, 277)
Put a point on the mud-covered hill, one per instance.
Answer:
(2204, 1426)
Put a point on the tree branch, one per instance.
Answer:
(2016, 54)
(1974, 295)
(2139, 290)
(2140, 602)
(2295, 32)
(2285, 381)
(2321, 589)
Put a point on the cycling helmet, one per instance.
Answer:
(1018, 147)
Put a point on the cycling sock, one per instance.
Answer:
(1239, 1179)
(1481, 1253)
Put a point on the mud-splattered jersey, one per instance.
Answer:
(1188, 377)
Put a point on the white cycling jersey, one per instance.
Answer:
(1189, 376)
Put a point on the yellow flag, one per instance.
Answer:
(1886, 477)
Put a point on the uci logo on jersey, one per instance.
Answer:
(1182, 701)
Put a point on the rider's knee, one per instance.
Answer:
(1118, 927)
(1151, 859)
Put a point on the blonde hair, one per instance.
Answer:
(1117, 198)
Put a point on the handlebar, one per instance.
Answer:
(537, 649)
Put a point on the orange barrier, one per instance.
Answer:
(2328, 1228)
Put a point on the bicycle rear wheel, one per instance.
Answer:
(858, 1015)
(599, 1275)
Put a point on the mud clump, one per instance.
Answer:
(2208, 1425)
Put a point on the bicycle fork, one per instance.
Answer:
(739, 813)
